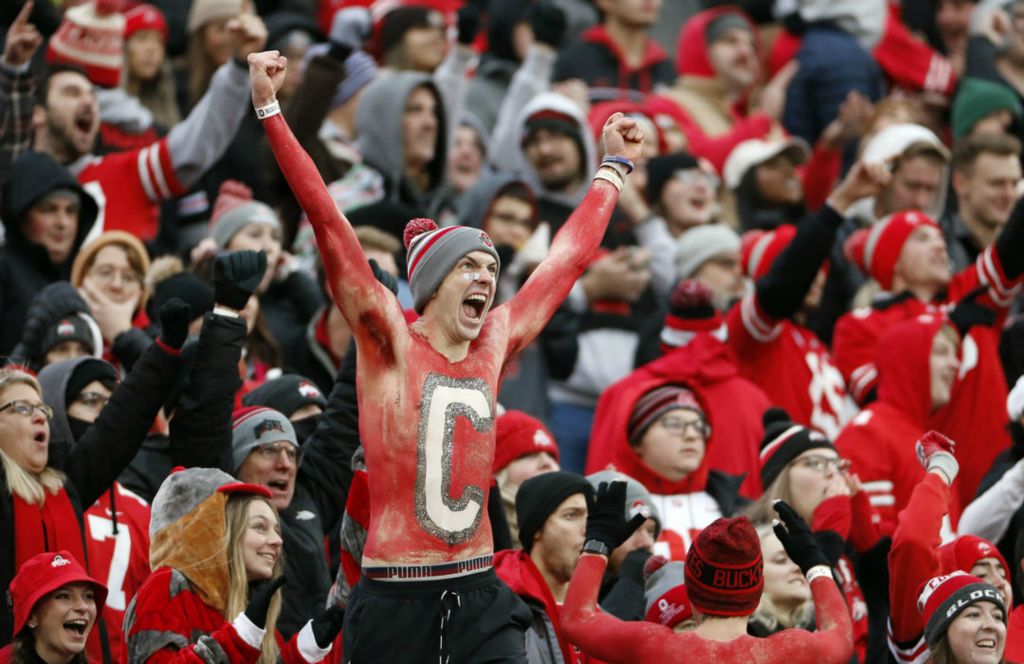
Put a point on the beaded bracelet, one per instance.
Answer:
(619, 160)
(264, 112)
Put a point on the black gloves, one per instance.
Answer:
(259, 601)
(175, 317)
(548, 23)
(327, 625)
(606, 520)
(968, 312)
(384, 277)
(797, 539)
(236, 275)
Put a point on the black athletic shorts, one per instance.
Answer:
(474, 619)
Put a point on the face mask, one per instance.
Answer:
(78, 427)
(304, 428)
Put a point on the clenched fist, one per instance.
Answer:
(623, 137)
(266, 71)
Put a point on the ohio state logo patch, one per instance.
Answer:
(486, 240)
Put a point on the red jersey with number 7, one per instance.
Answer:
(119, 558)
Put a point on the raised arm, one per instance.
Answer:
(914, 557)
(578, 239)
(355, 291)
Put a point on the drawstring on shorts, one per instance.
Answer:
(449, 600)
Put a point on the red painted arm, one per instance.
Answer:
(571, 251)
(599, 634)
(351, 280)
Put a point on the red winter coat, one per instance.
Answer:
(1014, 653)
(519, 572)
(880, 439)
(734, 406)
(167, 621)
(976, 415)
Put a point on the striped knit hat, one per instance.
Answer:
(876, 250)
(432, 252)
(690, 312)
(724, 569)
(943, 598)
(760, 248)
(785, 440)
(255, 426)
(91, 36)
(656, 403)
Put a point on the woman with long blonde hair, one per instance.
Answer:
(216, 553)
(43, 497)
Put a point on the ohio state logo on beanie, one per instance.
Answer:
(59, 561)
(308, 390)
(542, 439)
(65, 328)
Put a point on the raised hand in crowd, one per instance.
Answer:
(936, 454)
(22, 38)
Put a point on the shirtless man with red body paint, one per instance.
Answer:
(426, 395)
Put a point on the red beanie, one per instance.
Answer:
(91, 36)
(145, 17)
(877, 249)
(965, 551)
(517, 435)
(759, 249)
(724, 569)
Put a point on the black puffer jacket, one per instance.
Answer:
(25, 267)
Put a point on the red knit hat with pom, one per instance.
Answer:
(759, 249)
(876, 250)
(91, 36)
(724, 569)
(517, 435)
(965, 551)
(432, 252)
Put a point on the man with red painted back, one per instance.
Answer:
(426, 403)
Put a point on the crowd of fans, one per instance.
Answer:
(777, 415)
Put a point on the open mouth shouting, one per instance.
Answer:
(77, 629)
(473, 307)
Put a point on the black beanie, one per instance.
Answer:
(785, 440)
(86, 372)
(541, 495)
(187, 287)
(286, 394)
(662, 169)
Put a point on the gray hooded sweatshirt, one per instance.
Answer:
(379, 124)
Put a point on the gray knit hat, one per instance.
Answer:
(665, 598)
(184, 490)
(432, 252)
(698, 245)
(234, 209)
(638, 498)
(255, 426)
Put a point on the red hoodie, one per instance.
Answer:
(976, 415)
(692, 61)
(734, 405)
(880, 439)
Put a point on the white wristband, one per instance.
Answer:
(308, 647)
(264, 112)
(246, 629)
(818, 570)
(224, 311)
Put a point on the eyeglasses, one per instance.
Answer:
(92, 399)
(27, 408)
(105, 275)
(271, 451)
(695, 175)
(680, 426)
(821, 464)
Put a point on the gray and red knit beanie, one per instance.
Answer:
(943, 598)
(655, 403)
(724, 569)
(256, 426)
(432, 252)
